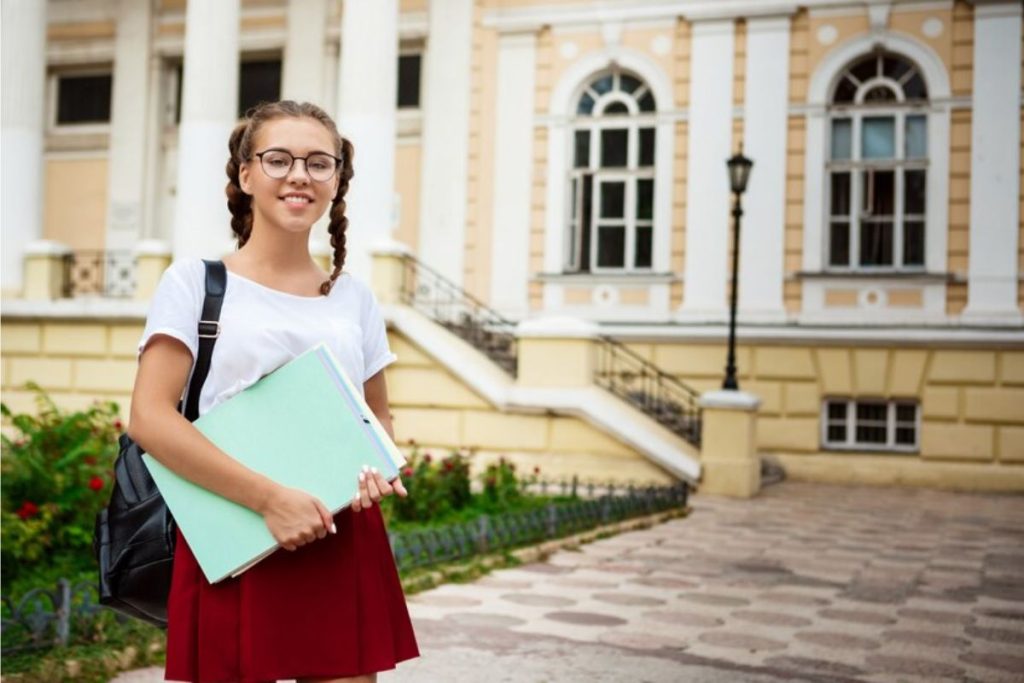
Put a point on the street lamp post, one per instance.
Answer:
(739, 174)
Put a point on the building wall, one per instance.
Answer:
(75, 203)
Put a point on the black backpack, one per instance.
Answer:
(135, 534)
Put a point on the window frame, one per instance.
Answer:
(850, 443)
(855, 165)
(593, 124)
(53, 99)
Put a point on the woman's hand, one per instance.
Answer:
(373, 487)
(296, 518)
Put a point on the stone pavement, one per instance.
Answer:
(804, 583)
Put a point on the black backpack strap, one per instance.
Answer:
(209, 330)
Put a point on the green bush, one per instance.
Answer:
(436, 487)
(56, 476)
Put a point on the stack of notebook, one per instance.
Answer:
(305, 426)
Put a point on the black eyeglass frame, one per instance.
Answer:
(305, 163)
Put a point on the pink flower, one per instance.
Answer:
(407, 472)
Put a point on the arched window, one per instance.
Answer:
(611, 181)
(877, 165)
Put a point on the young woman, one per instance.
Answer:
(330, 606)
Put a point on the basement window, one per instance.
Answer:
(871, 424)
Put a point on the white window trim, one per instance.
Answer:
(52, 88)
(938, 115)
(560, 140)
(851, 444)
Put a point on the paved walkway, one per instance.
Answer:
(804, 583)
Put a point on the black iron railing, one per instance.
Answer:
(644, 385)
(104, 273)
(440, 299)
(45, 617)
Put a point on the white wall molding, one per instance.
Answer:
(820, 86)
(445, 157)
(513, 174)
(559, 118)
(707, 186)
(762, 258)
(995, 163)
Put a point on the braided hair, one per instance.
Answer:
(240, 148)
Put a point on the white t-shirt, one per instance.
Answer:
(261, 328)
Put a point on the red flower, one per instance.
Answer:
(407, 472)
(28, 509)
(428, 458)
(89, 460)
(449, 465)
(118, 425)
(96, 483)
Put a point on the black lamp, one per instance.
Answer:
(739, 174)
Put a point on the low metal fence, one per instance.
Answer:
(44, 617)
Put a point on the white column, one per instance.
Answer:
(126, 180)
(444, 176)
(202, 223)
(707, 181)
(995, 163)
(303, 77)
(765, 105)
(513, 165)
(367, 94)
(21, 114)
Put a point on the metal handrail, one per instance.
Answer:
(661, 396)
(448, 304)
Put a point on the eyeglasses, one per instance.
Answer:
(277, 163)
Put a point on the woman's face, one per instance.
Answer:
(294, 202)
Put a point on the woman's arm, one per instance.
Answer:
(294, 517)
(374, 487)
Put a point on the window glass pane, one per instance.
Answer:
(409, 80)
(840, 194)
(842, 139)
(871, 412)
(616, 109)
(870, 434)
(836, 410)
(880, 93)
(839, 244)
(916, 141)
(913, 243)
(581, 156)
(913, 193)
(646, 147)
(906, 412)
(83, 99)
(845, 91)
(575, 200)
(643, 247)
(613, 200)
(895, 67)
(586, 104)
(647, 102)
(876, 243)
(866, 69)
(879, 190)
(602, 85)
(906, 436)
(871, 422)
(836, 433)
(258, 82)
(645, 199)
(914, 89)
(585, 224)
(878, 137)
(629, 84)
(611, 246)
(613, 147)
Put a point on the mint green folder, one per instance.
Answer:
(305, 426)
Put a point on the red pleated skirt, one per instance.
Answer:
(332, 608)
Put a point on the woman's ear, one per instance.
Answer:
(244, 179)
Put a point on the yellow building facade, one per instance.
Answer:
(558, 168)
